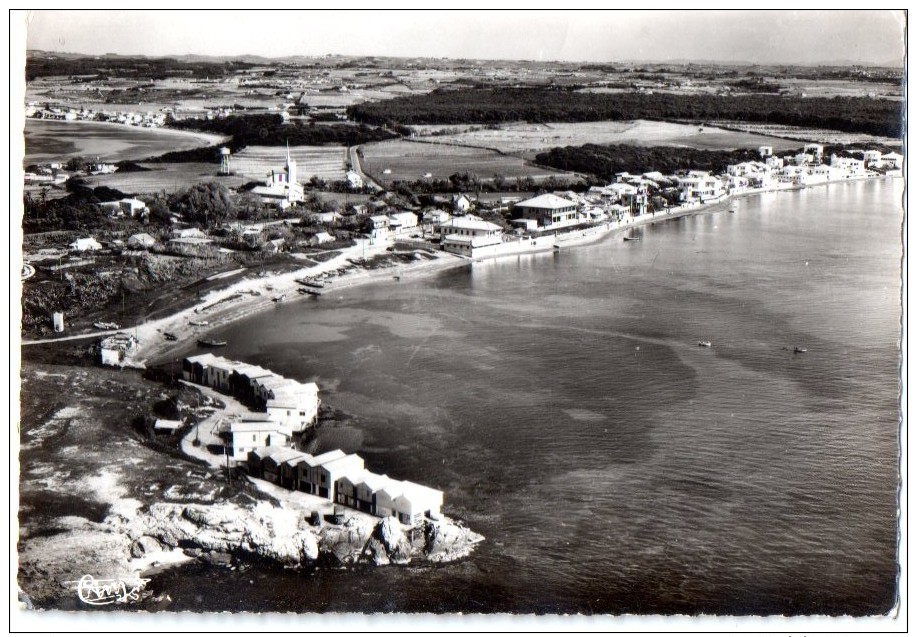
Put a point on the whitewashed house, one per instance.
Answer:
(253, 432)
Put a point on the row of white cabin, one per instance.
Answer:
(290, 406)
(343, 479)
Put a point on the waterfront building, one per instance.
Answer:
(462, 235)
(402, 221)
(699, 185)
(817, 151)
(271, 464)
(253, 432)
(115, 348)
(379, 227)
(550, 211)
(849, 166)
(871, 157)
(308, 470)
(327, 473)
(893, 160)
(765, 151)
(295, 410)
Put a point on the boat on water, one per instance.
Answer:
(309, 292)
(704, 344)
(105, 326)
(799, 350)
(632, 238)
(209, 342)
(199, 323)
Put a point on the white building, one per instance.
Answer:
(550, 211)
(295, 409)
(402, 221)
(141, 241)
(699, 185)
(354, 180)
(849, 166)
(85, 245)
(462, 235)
(282, 189)
(115, 348)
(253, 432)
(379, 227)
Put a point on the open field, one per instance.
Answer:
(325, 162)
(528, 139)
(167, 177)
(47, 140)
(410, 161)
(818, 135)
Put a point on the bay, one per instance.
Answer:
(562, 403)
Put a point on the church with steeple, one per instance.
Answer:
(282, 188)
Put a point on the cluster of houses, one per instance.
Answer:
(343, 479)
(263, 442)
(146, 120)
(290, 407)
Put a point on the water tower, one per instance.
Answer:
(224, 162)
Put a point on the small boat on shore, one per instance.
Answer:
(209, 342)
(278, 299)
(632, 238)
(310, 284)
(169, 336)
(199, 323)
(799, 350)
(704, 344)
(309, 292)
(105, 326)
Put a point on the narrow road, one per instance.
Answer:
(355, 165)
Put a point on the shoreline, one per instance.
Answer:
(238, 302)
(205, 139)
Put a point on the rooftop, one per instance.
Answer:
(549, 202)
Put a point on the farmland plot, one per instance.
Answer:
(527, 140)
(165, 177)
(410, 161)
(324, 162)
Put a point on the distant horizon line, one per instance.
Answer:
(682, 61)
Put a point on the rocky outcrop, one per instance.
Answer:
(287, 537)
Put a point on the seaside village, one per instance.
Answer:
(265, 443)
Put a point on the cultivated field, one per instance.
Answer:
(410, 161)
(167, 177)
(817, 135)
(527, 140)
(325, 162)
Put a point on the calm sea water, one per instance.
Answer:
(562, 403)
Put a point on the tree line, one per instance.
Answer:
(271, 130)
(490, 106)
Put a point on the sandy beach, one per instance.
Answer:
(251, 295)
(58, 140)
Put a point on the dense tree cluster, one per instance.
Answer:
(487, 106)
(271, 130)
(38, 65)
(77, 211)
(606, 160)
